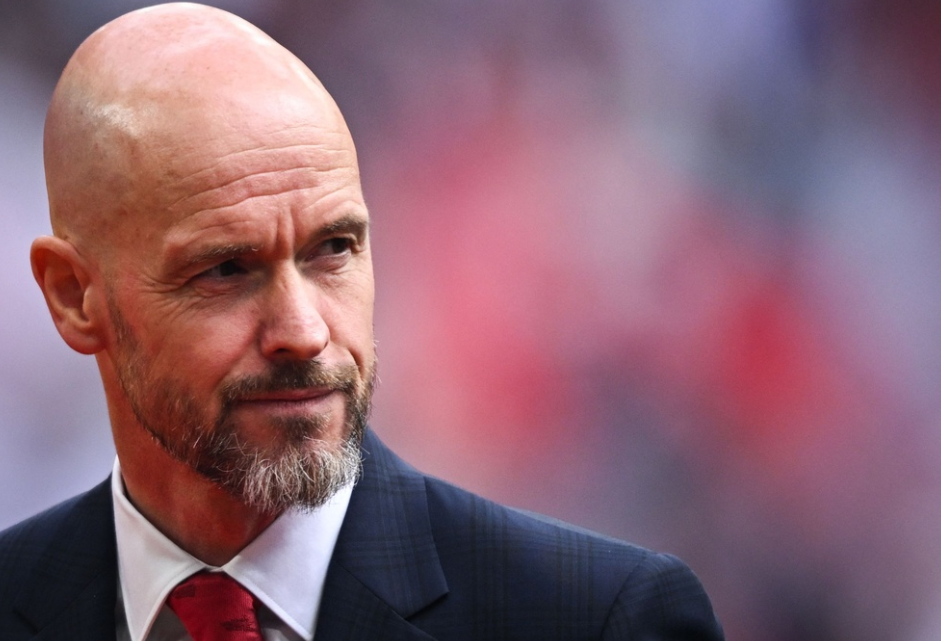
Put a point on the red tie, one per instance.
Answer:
(215, 607)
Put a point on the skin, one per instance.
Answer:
(205, 200)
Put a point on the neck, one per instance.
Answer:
(191, 511)
(195, 514)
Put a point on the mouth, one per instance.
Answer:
(293, 401)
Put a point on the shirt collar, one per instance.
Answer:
(285, 567)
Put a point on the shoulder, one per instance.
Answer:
(470, 568)
(595, 584)
(58, 571)
(459, 515)
(23, 544)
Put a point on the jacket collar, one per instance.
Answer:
(385, 568)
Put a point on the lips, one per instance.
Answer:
(288, 396)
(295, 402)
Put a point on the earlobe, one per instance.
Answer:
(65, 281)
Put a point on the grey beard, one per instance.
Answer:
(308, 470)
(304, 476)
(303, 472)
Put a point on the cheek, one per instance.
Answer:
(349, 315)
(204, 352)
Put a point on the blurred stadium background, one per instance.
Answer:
(669, 270)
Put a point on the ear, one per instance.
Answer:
(65, 280)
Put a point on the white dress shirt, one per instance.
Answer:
(285, 568)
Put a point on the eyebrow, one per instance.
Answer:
(348, 224)
(228, 251)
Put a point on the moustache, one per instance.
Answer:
(293, 375)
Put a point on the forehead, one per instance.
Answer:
(229, 170)
(249, 185)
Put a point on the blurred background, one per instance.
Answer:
(668, 270)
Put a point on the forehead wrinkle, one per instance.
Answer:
(267, 173)
(250, 193)
(276, 142)
(353, 213)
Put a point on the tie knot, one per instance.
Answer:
(215, 607)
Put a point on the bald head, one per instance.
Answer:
(211, 250)
(155, 89)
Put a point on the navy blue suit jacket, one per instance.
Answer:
(417, 558)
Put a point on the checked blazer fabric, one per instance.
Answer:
(416, 559)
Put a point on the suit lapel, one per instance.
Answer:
(350, 611)
(72, 591)
(385, 567)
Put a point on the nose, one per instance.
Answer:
(293, 327)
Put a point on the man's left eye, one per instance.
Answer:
(335, 246)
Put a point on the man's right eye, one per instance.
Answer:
(223, 270)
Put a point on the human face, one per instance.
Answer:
(242, 314)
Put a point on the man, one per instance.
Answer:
(211, 249)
